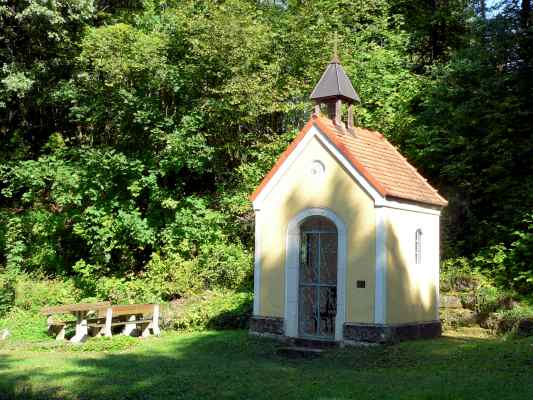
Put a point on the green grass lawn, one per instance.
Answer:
(233, 365)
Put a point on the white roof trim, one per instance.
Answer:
(315, 132)
(433, 210)
(379, 200)
(376, 196)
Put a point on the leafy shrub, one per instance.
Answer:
(225, 265)
(170, 277)
(458, 274)
(7, 293)
(195, 224)
(513, 323)
(490, 299)
(164, 279)
(78, 203)
(215, 310)
(519, 261)
(86, 217)
(25, 324)
(173, 277)
(517, 312)
(477, 291)
(511, 265)
(505, 266)
(32, 292)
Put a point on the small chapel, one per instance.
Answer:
(346, 233)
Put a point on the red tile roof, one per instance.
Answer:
(374, 158)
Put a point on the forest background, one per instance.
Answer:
(132, 133)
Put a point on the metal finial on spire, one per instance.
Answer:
(335, 58)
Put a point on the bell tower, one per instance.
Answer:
(333, 88)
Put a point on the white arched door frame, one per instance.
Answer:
(292, 264)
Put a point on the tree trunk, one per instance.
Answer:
(434, 33)
(526, 13)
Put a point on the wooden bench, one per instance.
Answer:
(104, 317)
(131, 315)
(80, 311)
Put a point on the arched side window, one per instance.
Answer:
(418, 246)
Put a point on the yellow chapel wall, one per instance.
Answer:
(298, 190)
(411, 288)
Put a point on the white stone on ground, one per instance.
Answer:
(4, 334)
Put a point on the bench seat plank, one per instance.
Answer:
(117, 323)
(82, 307)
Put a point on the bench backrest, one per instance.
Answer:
(128, 309)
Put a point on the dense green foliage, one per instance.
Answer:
(131, 133)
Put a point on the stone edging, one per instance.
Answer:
(355, 332)
(375, 333)
(266, 325)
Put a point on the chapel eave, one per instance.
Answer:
(374, 158)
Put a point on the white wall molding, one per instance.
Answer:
(272, 183)
(380, 301)
(437, 270)
(409, 207)
(257, 264)
(292, 264)
(361, 180)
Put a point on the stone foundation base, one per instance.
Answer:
(374, 333)
(355, 333)
(266, 326)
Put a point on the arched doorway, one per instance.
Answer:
(292, 270)
(317, 286)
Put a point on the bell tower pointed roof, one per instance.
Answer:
(334, 84)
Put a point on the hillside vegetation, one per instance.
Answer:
(132, 133)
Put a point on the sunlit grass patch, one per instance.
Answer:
(233, 365)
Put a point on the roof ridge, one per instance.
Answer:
(402, 158)
(337, 76)
(388, 171)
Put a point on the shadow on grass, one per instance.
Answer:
(232, 365)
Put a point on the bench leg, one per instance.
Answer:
(155, 320)
(56, 329)
(146, 329)
(61, 333)
(81, 328)
(130, 327)
(108, 320)
(50, 323)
